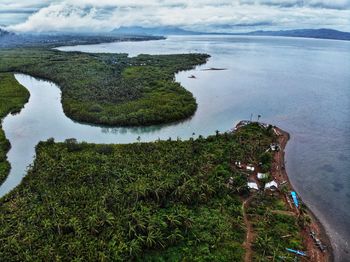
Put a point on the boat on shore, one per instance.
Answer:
(316, 240)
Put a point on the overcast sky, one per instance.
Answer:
(211, 15)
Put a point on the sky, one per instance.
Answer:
(201, 15)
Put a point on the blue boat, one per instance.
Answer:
(300, 253)
(295, 199)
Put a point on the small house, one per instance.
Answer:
(275, 147)
(262, 175)
(252, 186)
(273, 186)
(250, 167)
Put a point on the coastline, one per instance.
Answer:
(280, 174)
(310, 222)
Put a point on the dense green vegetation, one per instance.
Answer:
(161, 201)
(275, 229)
(12, 98)
(11, 40)
(111, 89)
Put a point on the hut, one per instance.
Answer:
(250, 168)
(252, 186)
(275, 147)
(262, 176)
(273, 186)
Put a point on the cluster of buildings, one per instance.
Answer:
(256, 179)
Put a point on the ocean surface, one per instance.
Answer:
(301, 85)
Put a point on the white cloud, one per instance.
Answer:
(104, 15)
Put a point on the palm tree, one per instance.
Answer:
(175, 236)
(173, 220)
(151, 238)
(264, 244)
(135, 247)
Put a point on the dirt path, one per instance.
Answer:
(281, 212)
(250, 234)
(278, 171)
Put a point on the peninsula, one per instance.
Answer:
(225, 197)
(168, 200)
(111, 89)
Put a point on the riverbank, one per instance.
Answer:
(113, 90)
(13, 97)
(310, 222)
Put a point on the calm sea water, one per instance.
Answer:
(301, 85)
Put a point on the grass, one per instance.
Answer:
(13, 96)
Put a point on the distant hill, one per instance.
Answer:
(309, 33)
(171, 30)
(3, 32)
(159, 30)
(10, 40)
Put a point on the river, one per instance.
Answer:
(301, 85)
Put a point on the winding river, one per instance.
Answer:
(301, 85)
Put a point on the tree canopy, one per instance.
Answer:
(166, 200)
(111, 89)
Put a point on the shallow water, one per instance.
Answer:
(301, 85)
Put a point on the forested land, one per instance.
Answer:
(12, 98)
(276, 229)
(160, 201)
(111, 89)
(11, 40)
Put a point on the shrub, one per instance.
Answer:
(96, 108)
(73, 145)
(105, 149)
